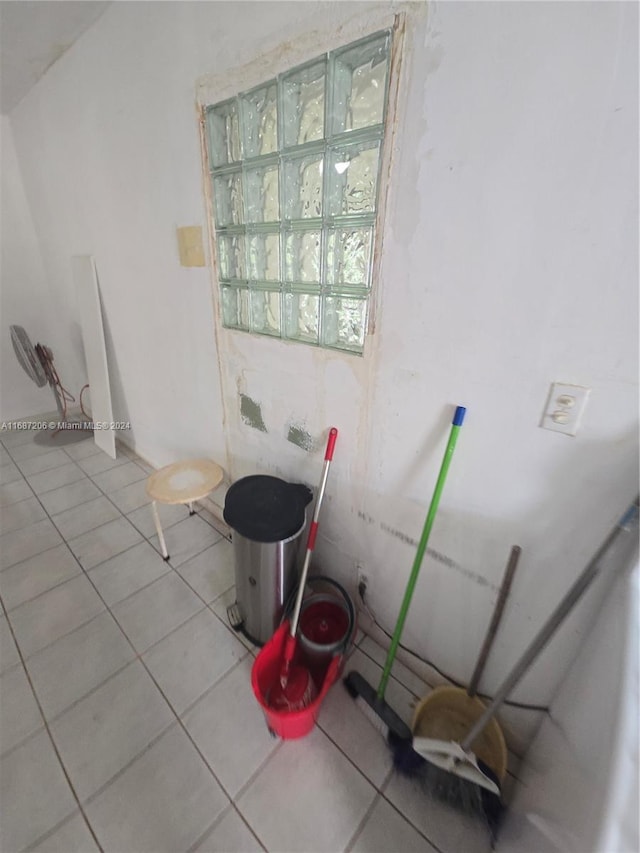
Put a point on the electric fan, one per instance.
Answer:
(37, 363)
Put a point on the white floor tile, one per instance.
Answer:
(29, 450)
(449, 829)
(142, 518)
(77, 663)
(219, 607)
(14, 492)
(116, 478)
(230, 835)
(212, 572)
(83, 449)
(100, 544)
(43, 462)
(386, 830)
(229, 727)
(47, 481)
(397, 696)
(35, 794)
(341, 718)
(187, 538)
(131, 497)
(9, 474)
(19, 515)
(36, 575)
(192, 658)
(19, 545)
(66, 497)
(150, 614)
(126, 573)
(162, 803)
(8, 652)
(48, 617)
(19, 713)
(308, 796)
(20, 437)
(99, 462)
(99, 735)
(80, 519)
(72, 837)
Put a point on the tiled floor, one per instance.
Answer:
(127, 718)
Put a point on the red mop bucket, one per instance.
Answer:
(266, 671)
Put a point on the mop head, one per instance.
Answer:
(456, 791)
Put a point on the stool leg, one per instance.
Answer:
(156, 518)
(191, 509)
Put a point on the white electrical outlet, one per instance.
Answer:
(564, 408)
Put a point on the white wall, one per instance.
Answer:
(24, 297)
(578, 788)
(509, 261)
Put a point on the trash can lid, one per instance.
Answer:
(266, 509)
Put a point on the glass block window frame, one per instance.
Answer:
(295, 168)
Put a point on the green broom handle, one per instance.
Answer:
(456, 423)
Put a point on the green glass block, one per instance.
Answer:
(235, 308)
(348, 257)
(264, 257)
(263, 203)
(353, 179)
(360, 84)
(345, 322)
(303, 96)
(265, 312)
(260, 121)
(303, 186)
(224, 134)
(302, 317)
(302, 256)
(227, 199)
(231, 257)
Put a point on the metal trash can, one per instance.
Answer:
(267, 516)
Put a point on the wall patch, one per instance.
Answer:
(251, 413)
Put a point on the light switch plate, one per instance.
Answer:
(190, 246)
(565, 406)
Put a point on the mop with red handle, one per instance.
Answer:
(295, 689)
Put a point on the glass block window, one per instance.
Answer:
(295, 175)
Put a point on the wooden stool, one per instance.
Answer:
(182, 483)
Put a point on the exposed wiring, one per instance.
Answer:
(82, 390)
(524, 706)
(46, 360)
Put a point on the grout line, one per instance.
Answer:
(32, 654)
(225, 812)
(252, 778)
(194, 702)
(143, 663)
(35, 473)
(360, 827)
(95, 794)
(26, 739)
(407, 818)
(136, 591)
(49, 833)
(33, 556)
(48, 731)
(178, 719)
(54, 719)
(215, 684)
(44, 592)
